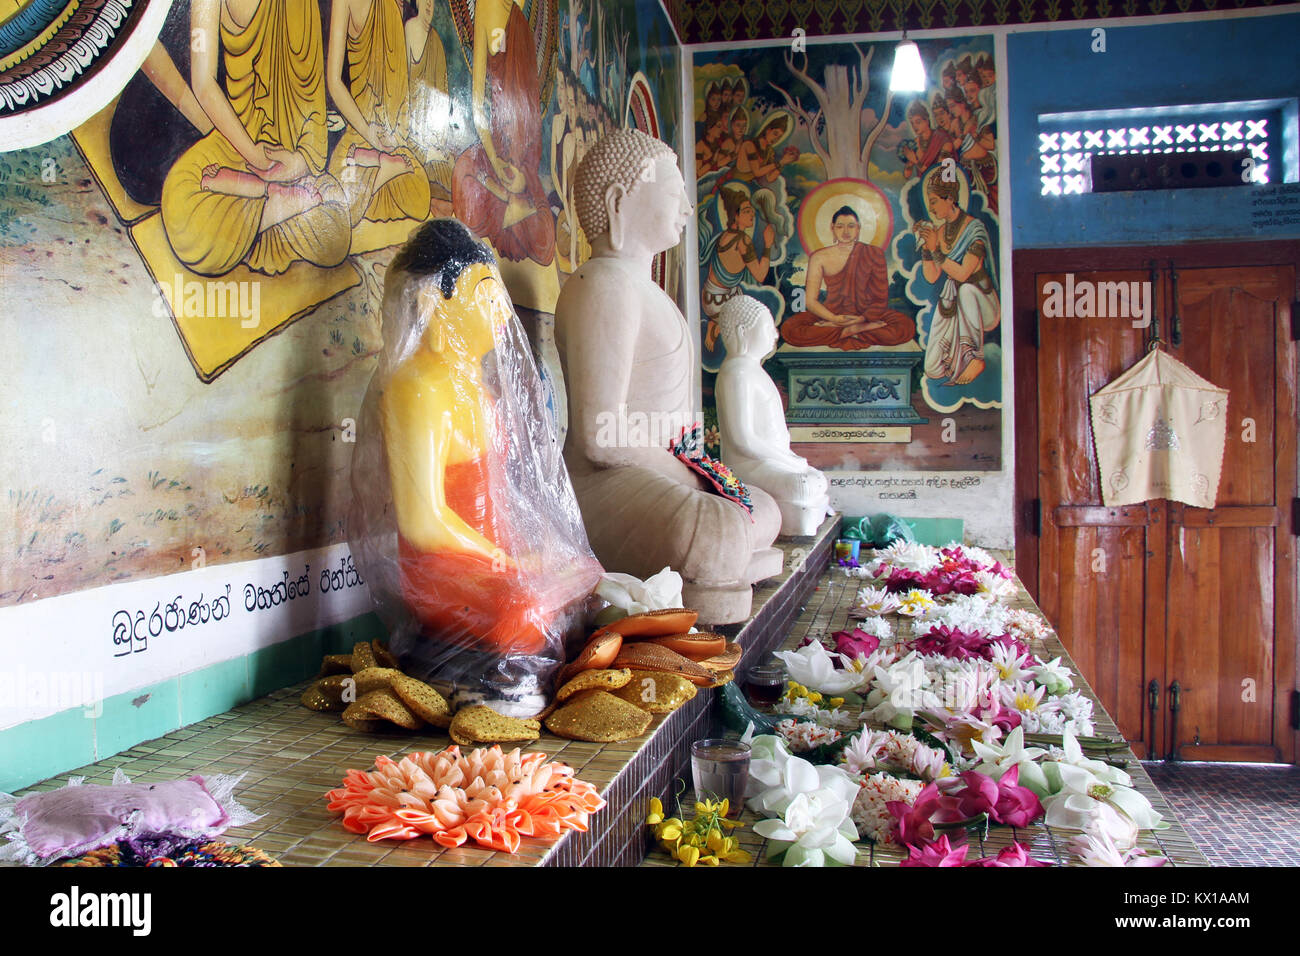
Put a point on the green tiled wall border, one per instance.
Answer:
(72, 738)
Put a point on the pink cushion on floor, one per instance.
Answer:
(77, 819)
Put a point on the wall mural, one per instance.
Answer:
(868, 223)
(207, 256)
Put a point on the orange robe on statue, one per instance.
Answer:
(861, 288)
(466, 600)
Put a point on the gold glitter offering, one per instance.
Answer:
(359, 718)
(480, 724)
(363, 656)
(598, 716)
(315, 699)
(383, 656)
(656, 691)
(423, 700)
(604, 679)
(375, 678)
(384, 703)
(335, 664)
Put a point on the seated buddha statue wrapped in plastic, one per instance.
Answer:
(465, 521)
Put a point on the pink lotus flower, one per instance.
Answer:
(951, 642)
(1006, 719)
(913, 822)
(1015, 805)
(901, 580)
(1015, 855)
(1000, 571)
(980, 795)
(857, 643)
(939, 853)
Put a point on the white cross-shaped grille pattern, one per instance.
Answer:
(1064, 154)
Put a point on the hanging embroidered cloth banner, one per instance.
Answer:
(1159, 430)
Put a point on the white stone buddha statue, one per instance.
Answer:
(755, 440)
(629, 365)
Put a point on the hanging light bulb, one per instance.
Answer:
(909, 72)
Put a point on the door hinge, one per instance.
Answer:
(1295, 710)
(1295, 321)
(1295, 516)
(1037, 517)
(1038, 327)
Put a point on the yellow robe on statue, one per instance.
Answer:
(275, 81)
(380, 85)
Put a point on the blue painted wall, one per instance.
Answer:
(1204, 61)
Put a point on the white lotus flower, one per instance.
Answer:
(1095, 847)
(995, 587)
(872, 602)
(909, 555)
(898, 692)
(1071, 754)
(997, 758)
(1083, 799)
(767, 758)
(814, 827)
(1010, 665)
(662, 590)
(1055, 676)
(780, 781)
(814, 667)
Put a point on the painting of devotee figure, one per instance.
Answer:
(867, 222)
(254, 189)
(382, 177)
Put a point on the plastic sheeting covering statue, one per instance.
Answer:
(464, 520)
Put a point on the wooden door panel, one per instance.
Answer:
(1229, 327)
(1221, 636)
(1077, 356)
(1100, 620)
(1092, 577)
(1231, 568)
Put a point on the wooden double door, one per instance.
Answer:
(1182, 619)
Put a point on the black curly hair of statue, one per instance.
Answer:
(442, 245)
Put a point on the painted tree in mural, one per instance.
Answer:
(835, 127)
(579, 48)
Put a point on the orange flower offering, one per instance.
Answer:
(491, 797)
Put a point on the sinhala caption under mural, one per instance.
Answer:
(867, 221)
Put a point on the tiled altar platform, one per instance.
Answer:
(292, 756)
(826, 612)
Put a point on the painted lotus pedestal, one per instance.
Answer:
(872, 388)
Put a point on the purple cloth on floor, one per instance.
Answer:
(77, 819)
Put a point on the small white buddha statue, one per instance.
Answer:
(629, 365)
(755, 440)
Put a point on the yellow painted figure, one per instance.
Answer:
(380, 173)
(254, 189)
(435, 417)
(486, 559)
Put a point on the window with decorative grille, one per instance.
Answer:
(1067, 141)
